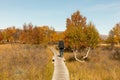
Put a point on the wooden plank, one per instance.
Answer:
(60, 69)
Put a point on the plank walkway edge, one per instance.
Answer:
(60, 69)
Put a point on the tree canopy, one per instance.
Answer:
(114, 35)
(78, 34)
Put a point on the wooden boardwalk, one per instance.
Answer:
(60, 69)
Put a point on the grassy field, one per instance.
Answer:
(25, 62)
(100, 66)
(33, 62)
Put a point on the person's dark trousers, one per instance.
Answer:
(61, 52)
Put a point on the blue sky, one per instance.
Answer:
(104, 14)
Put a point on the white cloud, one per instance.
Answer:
(117, 14)
(105, 7)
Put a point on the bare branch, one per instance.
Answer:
(75, 56)
(86, 54)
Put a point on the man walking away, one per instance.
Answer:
(61, 47)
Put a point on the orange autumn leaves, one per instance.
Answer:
(78, 34)
(28, 35)
(114, 35)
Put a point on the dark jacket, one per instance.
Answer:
(61, 44)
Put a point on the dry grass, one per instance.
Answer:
(25, 62)
(98, 67)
